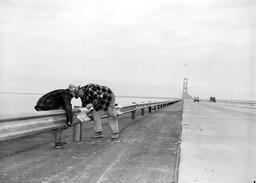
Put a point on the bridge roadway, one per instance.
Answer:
(147, 151)
(218, 144)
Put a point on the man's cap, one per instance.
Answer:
(72, 88)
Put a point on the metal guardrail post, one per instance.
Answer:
(149, 109)
(142, 111)
(77, 132)
(133, 114)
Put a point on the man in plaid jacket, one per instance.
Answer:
(102, 99)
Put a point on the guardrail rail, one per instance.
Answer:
(16, 126)
(240, 103)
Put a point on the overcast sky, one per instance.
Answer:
(137, 47)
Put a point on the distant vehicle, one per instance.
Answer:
(196, 99)
(212, 99)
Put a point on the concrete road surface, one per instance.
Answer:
(218, 144)
(147, 151)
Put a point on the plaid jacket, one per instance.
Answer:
(97, 95)
(57, 99)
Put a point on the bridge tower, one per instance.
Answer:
(185, 94)
(185, 85)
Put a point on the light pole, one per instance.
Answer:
(232, 88)
(174, 71)
(231, 82)
(186, 70)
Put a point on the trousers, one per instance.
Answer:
(112, 117)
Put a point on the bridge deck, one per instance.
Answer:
(218, 144)
(147, 151)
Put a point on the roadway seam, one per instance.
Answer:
(177, 162)
(101, 179)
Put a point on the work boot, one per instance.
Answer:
(59, 145)
(115, 136)
(64, 143)
(97, 135)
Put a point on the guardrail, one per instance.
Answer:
(241, 103)
(15, 126)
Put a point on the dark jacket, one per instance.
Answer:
(57, 99)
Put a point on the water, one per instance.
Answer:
(13, 103)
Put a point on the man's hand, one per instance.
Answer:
(89, 106)
(69, 123)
